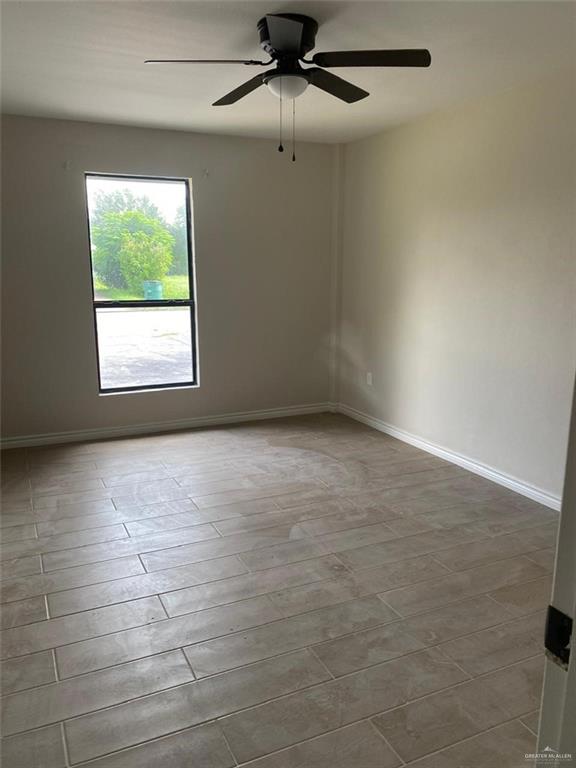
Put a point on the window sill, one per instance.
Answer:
(148, 390)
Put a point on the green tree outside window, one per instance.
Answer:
(115, 232)
(144, 257)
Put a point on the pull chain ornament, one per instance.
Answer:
(280, 147)
(293, 130)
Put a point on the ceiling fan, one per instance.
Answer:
(287, 38)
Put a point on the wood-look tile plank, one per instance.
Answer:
(145, 526)
(190, 704)
(70, 698)
(120, 466)
(77, 482)
(62, 522)
(241, 587)
(408, 526)
(16, 506)
(43, 748)
(352, 545)
(404, 466)
(210, 470)
(51, 475)
(251, 494)
(36, 515)
(45, 583)
(437, 721)
(238, 508)
(129, 546)
(525, 598)
(409, 546)
(286, 635)
(292, 551)
(59, 500)
(199, 486)
(383, 483)
(283, 553)
(316, 595)
(317, 495)
(366, 649)
(153, 472)
(23, 612)
(17, 533)
(22, 566)
(373, 646)
(502, 547)
(131, 494)
(505, 745)
(60, 542)
(277, 516)
(355, 518)
(490, 519)
(79, 626)
(221, 547)
(457, 586)
(498, 646)
(144, 495)
(288, 720)
(143, 585)
(130, 644)
(355, 745)
(205, 742)
(381, 578)
(27, 672)
(348, 586)
(455, 619)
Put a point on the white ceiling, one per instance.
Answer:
(81, 59)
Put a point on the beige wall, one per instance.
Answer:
(459, 278)
(262, 230)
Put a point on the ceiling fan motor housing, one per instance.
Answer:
(307, 41)
(287, 38)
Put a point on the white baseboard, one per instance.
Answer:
(508, 481)
(86, 435)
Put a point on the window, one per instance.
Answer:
(143, 282)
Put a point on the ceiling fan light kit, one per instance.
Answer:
(287, 86)
(287, 38)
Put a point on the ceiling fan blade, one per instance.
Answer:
(241, 91)
(206, 61)
(414, 57)
(285, 34)
(335, 85)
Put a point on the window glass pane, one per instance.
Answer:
(138, 238)
(144, 346)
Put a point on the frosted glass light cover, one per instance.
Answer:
(292, 86)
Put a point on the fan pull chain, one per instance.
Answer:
(280, 147)
(293, 130)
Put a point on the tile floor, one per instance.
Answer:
(298, 593)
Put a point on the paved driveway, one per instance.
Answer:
(144, 346)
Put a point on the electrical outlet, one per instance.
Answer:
(369, 379)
